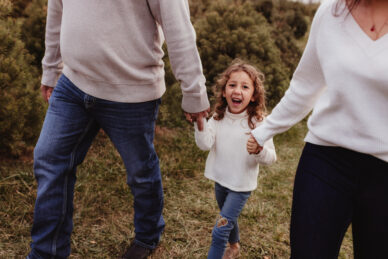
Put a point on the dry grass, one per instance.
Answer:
(103, 204)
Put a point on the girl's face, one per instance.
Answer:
(238, 91)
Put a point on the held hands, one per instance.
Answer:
(197, 117)
(46, 91)
(252, 146)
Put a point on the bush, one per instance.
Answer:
(18, 7)
(33, 30)
(234, 31)
(21, 109)
(265, 7)
(198, 7)
(289, 21)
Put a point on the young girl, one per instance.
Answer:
(240, 108)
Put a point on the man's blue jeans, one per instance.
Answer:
(72, 121)
(226, 229)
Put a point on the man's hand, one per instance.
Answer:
(197, 117)
(46, 92)
(252, 146)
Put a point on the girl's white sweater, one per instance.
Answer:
(229, 162)
(343, 75)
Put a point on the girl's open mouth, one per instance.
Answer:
(236, 101)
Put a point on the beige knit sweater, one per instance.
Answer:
(113, 49)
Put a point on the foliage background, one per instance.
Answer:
(21, 111)
(266, 33)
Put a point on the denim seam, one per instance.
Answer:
(64, 208)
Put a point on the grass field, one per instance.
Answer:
(103, 214)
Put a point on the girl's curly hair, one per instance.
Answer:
(256, 109)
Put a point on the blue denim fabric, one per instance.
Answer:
(231, 204)
(335, 187)
(72, 121)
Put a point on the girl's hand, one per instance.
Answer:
(252, 146)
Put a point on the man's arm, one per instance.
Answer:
(52, 60)
(174, 18)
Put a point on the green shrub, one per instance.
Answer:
(265, 7)
(33, 29)
(21, 109)
(18, 7)
(234, 31)
(289, 21)
(198, 7)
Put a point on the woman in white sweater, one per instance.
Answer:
(240, 107)
(342, 177)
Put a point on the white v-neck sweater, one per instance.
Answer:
(113, 49)
(229, 162)
(343, 75)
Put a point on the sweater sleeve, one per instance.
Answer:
(174, 18)
(52, 60)
(206, 138)
(267, 156)
(306, 86)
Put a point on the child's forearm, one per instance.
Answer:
(204, 139)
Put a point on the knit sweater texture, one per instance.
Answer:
(229, 163)
(343, 75)
(113, 49)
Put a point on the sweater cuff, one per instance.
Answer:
(50, 77)
(260, 135)
(195, 103)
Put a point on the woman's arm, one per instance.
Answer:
(306, 86)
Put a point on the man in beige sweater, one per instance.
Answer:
(108, 58)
